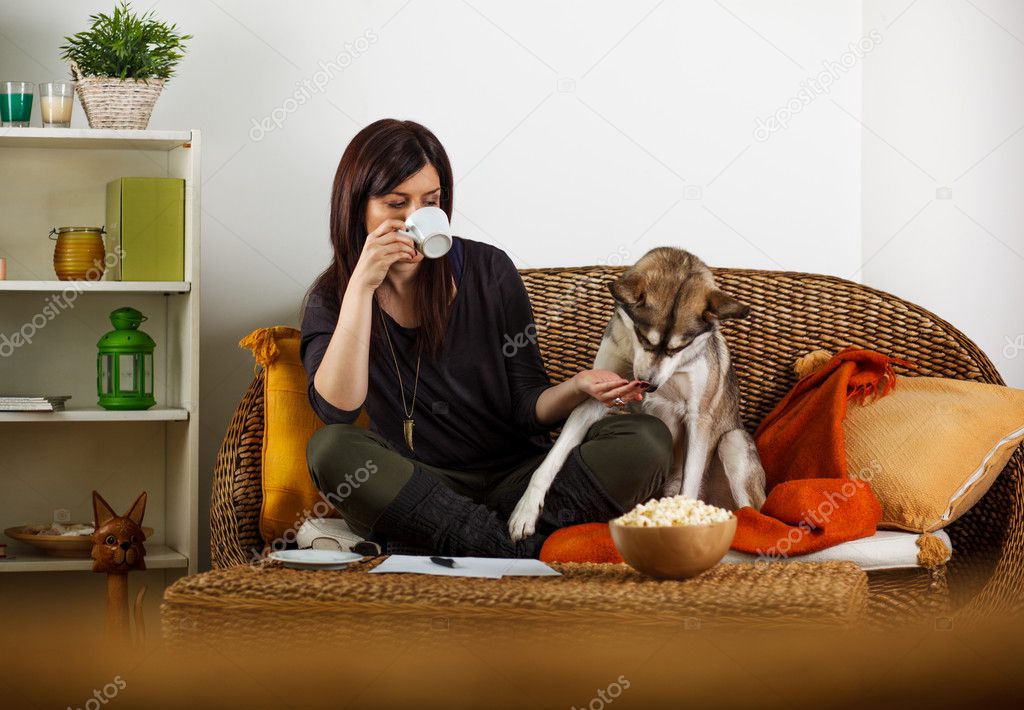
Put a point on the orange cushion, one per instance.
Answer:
(289, 495)
(586, 542)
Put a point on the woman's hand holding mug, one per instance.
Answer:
(426, 232)
(383, 247)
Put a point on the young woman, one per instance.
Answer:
(441, 354)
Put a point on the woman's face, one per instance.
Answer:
(420, 190)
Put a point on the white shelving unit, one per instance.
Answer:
(30, 560)
(98, 414)
(94, 139)
(51, 460)
(97, 286)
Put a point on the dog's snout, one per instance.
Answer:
(646, 385)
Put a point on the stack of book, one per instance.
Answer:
(14, 403)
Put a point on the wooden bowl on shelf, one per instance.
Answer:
(56, 545)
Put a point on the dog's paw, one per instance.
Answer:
(754, 498)
(523, 521)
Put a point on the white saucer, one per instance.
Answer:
(314, 559)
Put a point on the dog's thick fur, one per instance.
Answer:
(665, 330)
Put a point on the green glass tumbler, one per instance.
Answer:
(16, 102)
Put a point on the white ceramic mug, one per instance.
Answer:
(429, 230)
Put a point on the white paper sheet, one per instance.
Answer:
(487, 567)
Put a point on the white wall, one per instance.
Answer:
(943, 163)
(580, 132)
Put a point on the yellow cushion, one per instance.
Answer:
(932, 447)
(289, 495)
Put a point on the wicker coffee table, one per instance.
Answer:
(268, 601)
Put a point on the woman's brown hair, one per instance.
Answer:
(377, 160)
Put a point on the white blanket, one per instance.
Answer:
(886, 549)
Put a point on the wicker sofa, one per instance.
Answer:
(791, 314)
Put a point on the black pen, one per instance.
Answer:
(443, 561)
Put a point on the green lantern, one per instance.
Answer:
(124, 365)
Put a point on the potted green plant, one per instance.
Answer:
(121, 64)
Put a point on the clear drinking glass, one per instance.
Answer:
(15, 102)
(56, 99)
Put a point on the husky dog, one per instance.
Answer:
(664, 331)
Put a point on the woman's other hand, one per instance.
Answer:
(605, 386)
(383, 247)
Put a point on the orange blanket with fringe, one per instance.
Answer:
(811, 503)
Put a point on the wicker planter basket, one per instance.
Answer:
(113, 103)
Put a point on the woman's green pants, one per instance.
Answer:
(360, 472)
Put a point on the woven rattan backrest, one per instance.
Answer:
(791, 314)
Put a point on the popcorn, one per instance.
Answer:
(673, 510)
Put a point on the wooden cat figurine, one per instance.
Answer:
(117, 549)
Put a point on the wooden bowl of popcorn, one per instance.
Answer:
(673, 537)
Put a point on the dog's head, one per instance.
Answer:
(671, 304)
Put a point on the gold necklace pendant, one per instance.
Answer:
(407, 425)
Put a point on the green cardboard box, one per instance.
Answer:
(146, 220)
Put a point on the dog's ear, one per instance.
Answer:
(722, 306)
(629, 289)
